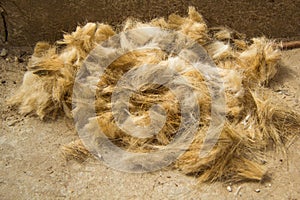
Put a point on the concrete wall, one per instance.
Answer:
(24, 22)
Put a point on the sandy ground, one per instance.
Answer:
(32, 167)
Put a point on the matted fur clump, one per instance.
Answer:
(255, 119)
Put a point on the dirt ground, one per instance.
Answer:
(32, 167)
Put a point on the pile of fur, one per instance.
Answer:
(255, 118)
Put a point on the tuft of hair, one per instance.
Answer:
(75, 151)
(255, 119)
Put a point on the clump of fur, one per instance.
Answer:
(75, 151)
(254, 120)
(47, 85)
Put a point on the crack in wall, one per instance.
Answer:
(3, 16)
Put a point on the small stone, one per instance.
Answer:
(12, 122)
(3, 53)
(99, 156)
(229, 189)
(257, 190)
(269, 184)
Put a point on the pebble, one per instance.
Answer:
(3, 53)
(12, 122)
(229, 189)
(257, 190)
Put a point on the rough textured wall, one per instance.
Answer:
(28, 21)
